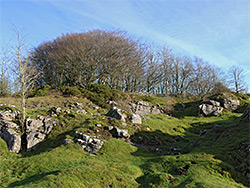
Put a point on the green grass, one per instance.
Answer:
(206, 160)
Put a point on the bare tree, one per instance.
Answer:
(26, 73)
(5, 63)
(236, 79)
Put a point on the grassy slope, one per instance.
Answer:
(206, 161)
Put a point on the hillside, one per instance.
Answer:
(172, 147)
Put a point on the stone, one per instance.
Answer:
(142, 103)
(88, 144)
(37, 129)
(81, 111)
(95, 107)
(230, 104)
(68, 141)
(98, 125)
(33, 139)
(142, 108)
(9, 129)
(155, 110)
(57, 111)
(210, 108)
(12, 138)
(136, 118)
(112, 103)
(117, 114)
(109, 128)
(9, 115)
(119, 133)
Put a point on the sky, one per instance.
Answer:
(216, 30)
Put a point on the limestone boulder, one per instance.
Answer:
(136, 119)
(230, 104)
(12, 138)
(87, 143)
(142, 108)
(37, 129)
(119, 133)
(210, 108)
(117, 114)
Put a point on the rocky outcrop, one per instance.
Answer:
(37, 129)
(57, 111)
(229, 103)
(223, 102)
(12, 138)
(143, 108)
(87, 143)
(8, 130)
(118, 133)
(117, 114)
(78, 107)
(210, 108)
(136, 119)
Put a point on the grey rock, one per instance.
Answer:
(230, 103)
(143, 108)
(12, 138)
(98, 125)
(109, 128)
(81, 111)
(33, 139)
(89, 144)
(117, 114)
(136, 118)
(112, 103)
(37, 129)
(119, 133)
(68, 141)
(57, 111)
(141, 103)
(9, 115)
(210, 108)
(155, 110)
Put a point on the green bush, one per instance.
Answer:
(71, 91)
(44, 91)
(100, 94)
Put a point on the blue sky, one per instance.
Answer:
(215, 30)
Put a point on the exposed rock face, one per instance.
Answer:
(37, 129)
(119, 133)
(230, 103)
(7, 130)
(136, 118)
(78, 107)
(12, 138)
(210, 108)
(68, 141)
(9, 115)
(143, 108)
(87, 143)
(117, 114)
(57, 111)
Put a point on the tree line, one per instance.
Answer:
(120, 61)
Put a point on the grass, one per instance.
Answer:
(206, 160)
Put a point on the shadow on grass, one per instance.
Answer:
(33, 179)
(49, 143)
(220, 138)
